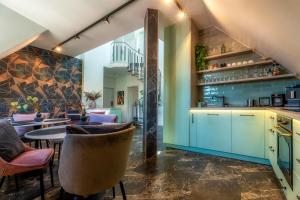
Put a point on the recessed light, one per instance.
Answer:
(168, 1)
(77, 37)
(58, 48)
(107, 20)
(181, 14)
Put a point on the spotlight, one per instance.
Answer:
(77, 37)
(181, 14)
(168, 1)
(58, 49)
(107, 20)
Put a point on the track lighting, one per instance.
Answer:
(77, 37)
(107, 20)
(58, 49)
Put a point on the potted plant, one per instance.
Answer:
(200, 54)
(34, 102)
(91, 98)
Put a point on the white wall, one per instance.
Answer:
(122, 83)
(16, 31)
(94, 62)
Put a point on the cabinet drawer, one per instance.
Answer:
(296, 130)
(296, 161)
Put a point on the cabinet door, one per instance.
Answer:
(270, 136)
(214, 130)
(193, 128)
(248, 133)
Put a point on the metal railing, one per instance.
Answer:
(124, 54)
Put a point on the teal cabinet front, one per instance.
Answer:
(214, 130)
(193, 129)
(248, 136)
(270, 137)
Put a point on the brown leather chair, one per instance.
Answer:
(91, 164)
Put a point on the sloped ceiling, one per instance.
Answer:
(270, 26)
(64, 18)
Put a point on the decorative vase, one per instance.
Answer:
(91, 104)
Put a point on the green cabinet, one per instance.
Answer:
(270, 137)
(193, 128)
(248, 127)
(214, 130)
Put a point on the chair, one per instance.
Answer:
(30, 160)
(91, 164)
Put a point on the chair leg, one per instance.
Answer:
(51, 171)
(42, 184)
(123, 190)
(114, 192)
(61, 193)
(17, 182)
(59, 148)
(2, 181)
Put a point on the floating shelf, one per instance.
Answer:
(265, 62)
(229, 54)
(284, 76)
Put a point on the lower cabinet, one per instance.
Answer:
(248, 136)
(214, 130)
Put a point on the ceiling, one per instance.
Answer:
(270, 26)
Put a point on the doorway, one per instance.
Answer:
(108, 97)
(133, 97)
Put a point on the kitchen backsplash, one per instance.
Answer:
(237, 94)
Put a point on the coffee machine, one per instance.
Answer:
(292, 95)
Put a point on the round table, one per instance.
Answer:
(45, 122)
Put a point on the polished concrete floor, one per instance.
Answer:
(174, 174)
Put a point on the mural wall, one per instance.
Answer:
(55, 79)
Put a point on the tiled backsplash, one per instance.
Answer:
(237, 94)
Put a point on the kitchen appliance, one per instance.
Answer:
(293, 98)
(264, 101)
(285, 147)
(278, 100)
(250, 102)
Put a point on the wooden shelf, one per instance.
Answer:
(265, 62)
(229, 54)
(284, 76)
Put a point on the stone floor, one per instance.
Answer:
(174, 174)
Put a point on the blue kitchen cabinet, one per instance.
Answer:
(248, 128)
(214, 130)
(193, 128)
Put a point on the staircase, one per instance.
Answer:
(124, 55)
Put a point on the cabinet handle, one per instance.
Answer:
(297, 133)
(298, 160)
(298, 197)
(212, 114)
(283, 187)
(192, 118)
(247, 115)
(271, 148)
(271, 117)
(271, 130)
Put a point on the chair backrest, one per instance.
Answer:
(90, 164)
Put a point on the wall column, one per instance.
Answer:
(150, 81)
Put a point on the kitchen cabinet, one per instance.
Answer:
(248, 133)
(270, 137)
(193, 128)
(214, 130)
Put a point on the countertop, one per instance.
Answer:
(278, 110)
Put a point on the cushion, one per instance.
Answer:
(36, 157)
(102, 118)
(24, 117)
(99, 112)
(10, 144)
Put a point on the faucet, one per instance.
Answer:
(219, 97)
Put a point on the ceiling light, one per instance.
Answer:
(181, 14)
(58, 49)
(77, 37)
(168, 1)
(107, 20)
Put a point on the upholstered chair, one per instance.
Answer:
(93, 163)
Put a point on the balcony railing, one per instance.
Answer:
(123, 54)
